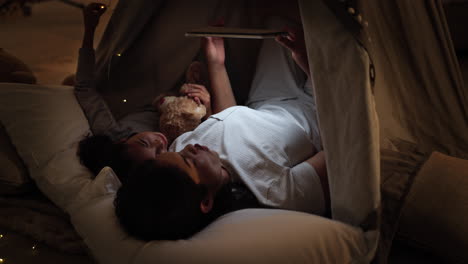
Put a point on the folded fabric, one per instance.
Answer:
(435, 215)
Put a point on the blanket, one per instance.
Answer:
(35, 216)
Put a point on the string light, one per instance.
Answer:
(1, 236)
(34, 250)
(118, 54)
(359, 18)
(2, 260)
(124, 100)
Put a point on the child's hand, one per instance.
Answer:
(214, 50)
(294, 41)
(199, 94)
(214, 46)
(91, 15)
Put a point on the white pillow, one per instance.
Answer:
(246, 236)
(45, 123)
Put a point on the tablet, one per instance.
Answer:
(232, 32)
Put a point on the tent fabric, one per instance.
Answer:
(420, 92)
(140, 56)
(144, 52)
(348, 120)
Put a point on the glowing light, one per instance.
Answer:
(103, 6)
(124, 100)
(1, 236)
(118, 54)
(2, 260)
(359, 18)
(34, 247)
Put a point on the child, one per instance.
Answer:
(114, 144)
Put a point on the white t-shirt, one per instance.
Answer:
(266, 148)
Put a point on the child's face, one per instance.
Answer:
(146, 146)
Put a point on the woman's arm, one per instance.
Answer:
(294, 41)
(318, 162)
(222, 96)
(86, 60)
(91, 15)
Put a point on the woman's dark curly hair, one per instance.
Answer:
(97, 151)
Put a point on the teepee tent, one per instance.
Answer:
(381, 70)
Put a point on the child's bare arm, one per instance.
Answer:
(222, 96)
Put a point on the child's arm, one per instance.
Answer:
(222, 96)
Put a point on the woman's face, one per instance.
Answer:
(146, 146)
(199, 162)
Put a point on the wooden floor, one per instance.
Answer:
(49, 39)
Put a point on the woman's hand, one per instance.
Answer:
(200, 95)
(91, 15)
(294, 41)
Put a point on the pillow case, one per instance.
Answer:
(45, 124)
(435, 215)
(14, 177)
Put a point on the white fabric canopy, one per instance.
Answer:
(419, 89)
(348, 120)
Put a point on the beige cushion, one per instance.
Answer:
(14, 177)
(435, 215)
(45, 124)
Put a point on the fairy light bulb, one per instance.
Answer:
(34, 250)
(2, 260)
